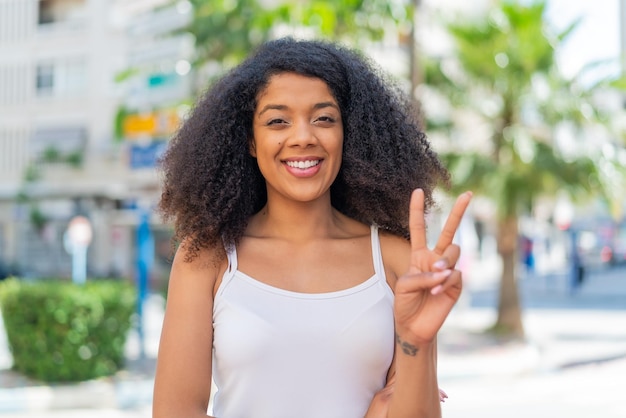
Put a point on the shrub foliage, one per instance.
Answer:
(62, 332)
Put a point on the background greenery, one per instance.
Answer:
(59, 331)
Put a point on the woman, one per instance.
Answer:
(295, 287)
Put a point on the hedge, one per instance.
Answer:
(59, 331)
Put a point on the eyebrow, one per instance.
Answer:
(317, 106)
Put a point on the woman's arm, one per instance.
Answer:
(415, 393)
(182, 384)
(425, 292)
(412, 380)
(379, 407)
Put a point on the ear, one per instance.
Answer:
(252, 147)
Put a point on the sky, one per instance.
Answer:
(598, 34)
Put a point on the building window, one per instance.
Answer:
(63, 77)
(46, 14)
(45, 79)
(59, 144)
(58, 11)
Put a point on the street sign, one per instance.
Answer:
(79, 235)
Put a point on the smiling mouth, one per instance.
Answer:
(303, 164)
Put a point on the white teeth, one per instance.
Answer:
(303, 164)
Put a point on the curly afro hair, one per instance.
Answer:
(212, 185)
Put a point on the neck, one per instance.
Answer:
(295, 221)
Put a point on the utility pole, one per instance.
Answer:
(415, 68)
(622, 43)
(622, 37)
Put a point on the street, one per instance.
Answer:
(602, 289)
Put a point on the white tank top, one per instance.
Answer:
(284, 354)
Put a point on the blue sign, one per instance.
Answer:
(146, 156)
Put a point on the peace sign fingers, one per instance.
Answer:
(452, 223)
(425, 295)
(417, 230)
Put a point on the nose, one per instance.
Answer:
(303, 134)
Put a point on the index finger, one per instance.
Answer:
(453, 222)
(417, 222)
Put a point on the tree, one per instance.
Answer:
(502, 79)
(225, 31)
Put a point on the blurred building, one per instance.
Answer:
(622, 18)
(74, 139)
(90, 91)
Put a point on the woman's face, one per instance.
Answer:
(297, 137)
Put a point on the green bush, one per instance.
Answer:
(62, 332)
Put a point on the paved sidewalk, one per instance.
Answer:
(556, 339)
(144, 412)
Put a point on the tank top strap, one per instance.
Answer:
(377, 256)
(231, 256)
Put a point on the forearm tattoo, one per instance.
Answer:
(407, 348)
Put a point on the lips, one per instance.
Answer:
(303, 165)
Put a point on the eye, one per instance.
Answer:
(275, 121)
(325, 120)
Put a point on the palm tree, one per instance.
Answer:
(503, 78)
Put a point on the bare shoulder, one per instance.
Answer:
(199, 271)
(396, 252)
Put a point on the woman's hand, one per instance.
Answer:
(425, 295)
(380, 403)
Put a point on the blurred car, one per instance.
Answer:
(618, 246)
(593, 252)
(603, 247)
